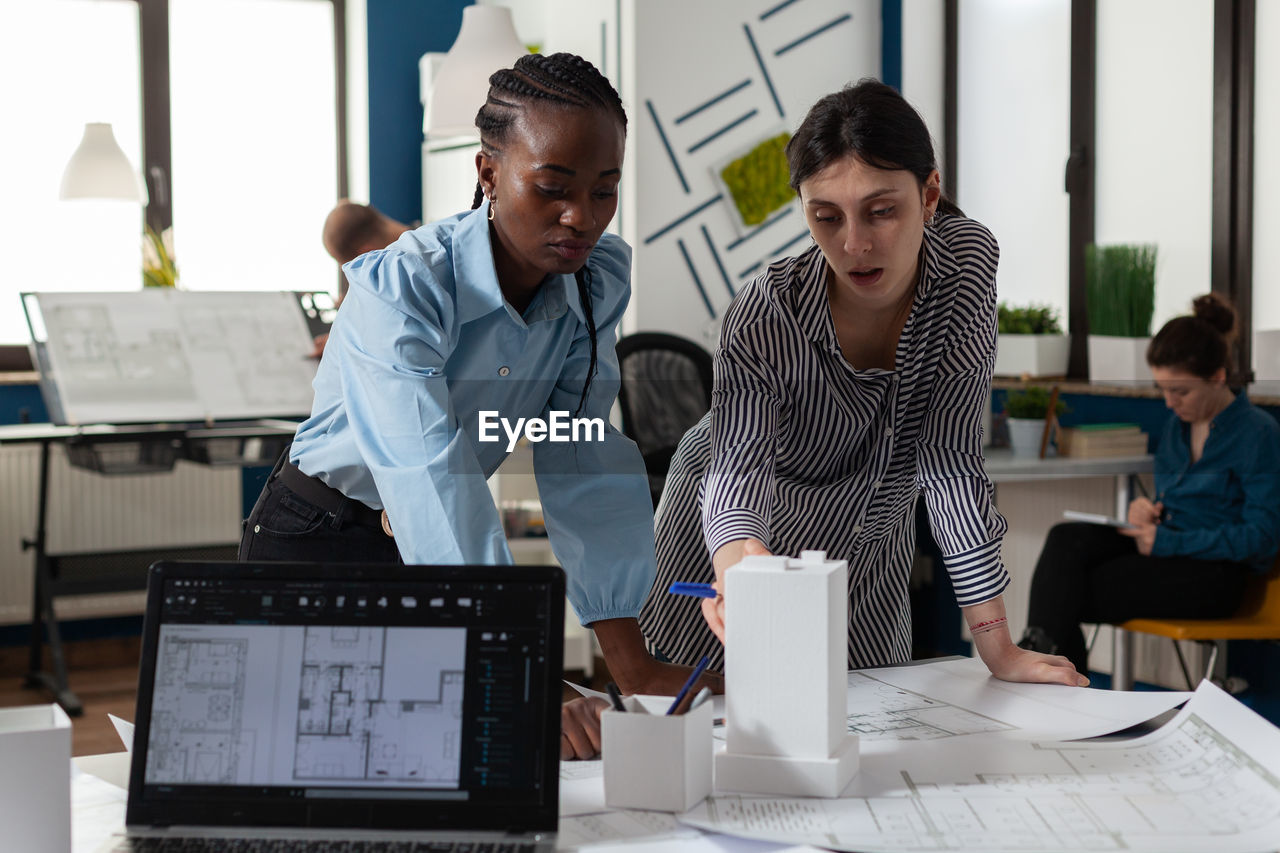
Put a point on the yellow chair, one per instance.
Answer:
(1257, 619)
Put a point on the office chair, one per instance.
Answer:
(1257, 619)
(666, 389)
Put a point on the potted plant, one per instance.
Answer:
(1121, 297)
(1025, 412)
(1031, 342)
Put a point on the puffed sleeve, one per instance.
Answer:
(594, 493)
(398, 329)
(959, 497)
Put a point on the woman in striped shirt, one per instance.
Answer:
(849, 381)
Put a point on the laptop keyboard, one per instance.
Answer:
(257, 845)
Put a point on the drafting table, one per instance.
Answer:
(110, 449)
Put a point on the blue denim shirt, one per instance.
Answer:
(424, 342)
(1225, 506)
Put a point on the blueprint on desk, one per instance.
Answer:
(1209, 780)
(936, 703)
(953, 698)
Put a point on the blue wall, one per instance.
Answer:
(400, 31)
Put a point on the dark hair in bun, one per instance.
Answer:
(1199, 344)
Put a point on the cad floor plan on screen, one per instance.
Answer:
(316, 705)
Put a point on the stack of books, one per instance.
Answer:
(1091, 441)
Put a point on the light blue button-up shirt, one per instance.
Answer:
(423, 343)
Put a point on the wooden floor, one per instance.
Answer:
(103, 690)
(104, 675)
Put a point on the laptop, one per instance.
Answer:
(348, 708)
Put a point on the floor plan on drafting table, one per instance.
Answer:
(316, 705)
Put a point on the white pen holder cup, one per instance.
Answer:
(655, 761)
(35, 779)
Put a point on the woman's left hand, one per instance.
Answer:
(1143, 536)
(1012, 663)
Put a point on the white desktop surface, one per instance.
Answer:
(955, 694)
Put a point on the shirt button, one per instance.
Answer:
(888, 431)
(857, 528)
(504, 370)
(876, 484)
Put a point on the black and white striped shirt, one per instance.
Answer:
(802, 451)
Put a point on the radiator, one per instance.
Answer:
(88, 512)
(1031, 509)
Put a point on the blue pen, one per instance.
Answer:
(693, 679)
(700, 590)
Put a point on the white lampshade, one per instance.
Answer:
(99, 168)
(486, 43)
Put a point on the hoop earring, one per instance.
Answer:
(493, 200)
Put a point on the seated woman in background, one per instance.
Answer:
(1215, 520)
(850, 380)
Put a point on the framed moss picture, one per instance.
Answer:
(754, 181)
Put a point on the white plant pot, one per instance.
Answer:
(1119, 361)
(1266, 362)
(1025, 435)
(1032, 355)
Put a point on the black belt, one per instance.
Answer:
(329, 499)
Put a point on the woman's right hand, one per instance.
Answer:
(727, 555)
(1143, 512)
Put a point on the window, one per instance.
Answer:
(65, 63)
(1012, 145)
(254, 142)
(243, 101)
(1266, 178)
(1155, 141)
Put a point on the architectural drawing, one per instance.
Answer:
(355, 724)
(99, 360)
(164, 354)
(257, 349)
(880, 711)
(1189, 786)
(197, 736)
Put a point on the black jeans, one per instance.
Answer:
(1092, 573)
(284, 527)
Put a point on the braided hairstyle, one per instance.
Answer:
(563, 79)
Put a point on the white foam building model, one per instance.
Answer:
(786, 700)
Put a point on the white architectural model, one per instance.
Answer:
(785, 661)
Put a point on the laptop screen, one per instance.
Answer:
(378, 696)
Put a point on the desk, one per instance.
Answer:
(962, 697)
(127, 449)
(1003, 467)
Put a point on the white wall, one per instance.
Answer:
(1155, 139)
(1013, 139)
(1266, 172)
(923, 74)
(678, 56)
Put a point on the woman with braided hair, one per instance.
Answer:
(465, 326)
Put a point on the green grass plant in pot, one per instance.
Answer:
(1120, 293)
(1031, 341)
(1025, 410)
